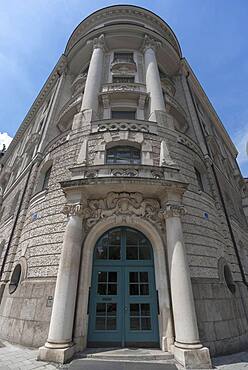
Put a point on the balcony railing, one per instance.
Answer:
(124, 171)
(124, 87)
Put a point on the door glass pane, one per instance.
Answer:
(133, 277)
(105, 316)
(102, 276)
(112, 289)
(112, 276)
(134, 289)
(132, 253)
(102, 289)
(144, 253)
(145, 323)
(144, 277)
(108, 247)
(100, 323)
(111, 323)
(100, 309)
(145, 309)
(134, 323)
(144, 289)
(114, 253)
(140, 318)
(134, 309)
(111, 309)
(107, 283)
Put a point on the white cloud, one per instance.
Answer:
(5, 139)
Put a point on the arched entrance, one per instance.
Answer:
(123, 309)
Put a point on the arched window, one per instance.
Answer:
(123, 155)
(15, 278)
(2, 247)
(199, 180)
(46, 178)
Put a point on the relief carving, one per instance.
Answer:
(124, 205)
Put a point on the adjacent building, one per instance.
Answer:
(121, 216)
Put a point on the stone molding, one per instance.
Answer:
(97, 42)
(150, 43)
(114, 12)
(173, 210)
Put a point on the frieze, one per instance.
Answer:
(116, 205)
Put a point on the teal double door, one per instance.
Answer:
(123, 307)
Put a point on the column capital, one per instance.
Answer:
(150, 43)
(97, 42)
(76, 209)
(173, 210)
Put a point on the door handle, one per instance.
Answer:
(125, 308)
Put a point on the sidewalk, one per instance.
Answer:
(15, 357)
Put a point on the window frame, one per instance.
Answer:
(120, 148)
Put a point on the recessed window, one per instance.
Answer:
(123, 114)
(229, 279)
(123, 57)
(123, 79)
(46, 178)
(199, 180)
(15, 278)
(123, 155)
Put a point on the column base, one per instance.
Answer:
(193, 358)
(58, 355)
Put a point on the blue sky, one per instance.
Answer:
(212, 34)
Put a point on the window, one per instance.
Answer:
(125, 114)
(2, 247)
(199, 180)
(15, 278)
(123, 155)
(117, 79)
(229, 279)
(123, 57)
(46, 178)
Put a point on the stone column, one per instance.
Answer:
(153, 83)
(187, 348)
(59, 346)
(93, 82)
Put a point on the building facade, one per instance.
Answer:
(121, 219)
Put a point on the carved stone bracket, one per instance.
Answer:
(76, 209)
(173, 210)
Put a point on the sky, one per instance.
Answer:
(212, 35)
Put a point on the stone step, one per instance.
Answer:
(99, 364)
(128, 354)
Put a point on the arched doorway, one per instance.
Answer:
(123, 309)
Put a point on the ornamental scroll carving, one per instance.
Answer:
(123, 205)
(114, 205)
(173, 210)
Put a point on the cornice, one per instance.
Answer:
(142, 15)
(50, 82)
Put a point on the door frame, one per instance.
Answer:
(165, 325)
(123, 335)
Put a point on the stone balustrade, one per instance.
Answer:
(124, 171)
